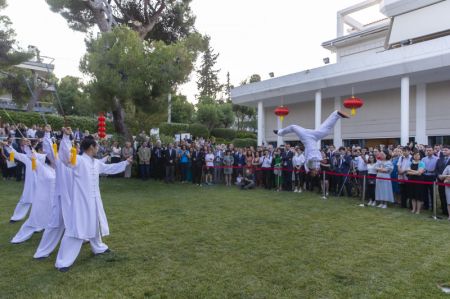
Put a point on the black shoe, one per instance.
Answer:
(41, 258)
(64, 269)
(13, 221)
(276, 132)
(104, 252)
(343, 114)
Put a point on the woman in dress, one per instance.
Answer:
(228, 161)
(416, 191)
(256, 164)
(325, 166)
(383, 188)
(277, 160)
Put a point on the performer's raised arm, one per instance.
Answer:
(114, 167)
(47, 144)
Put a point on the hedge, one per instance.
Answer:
(198, 130)
(244, 142)
(173, 128)
(56, 121)
(245, 134)
(224, 133)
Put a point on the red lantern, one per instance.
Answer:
(101, 126)
(353, 103)
(281, 112)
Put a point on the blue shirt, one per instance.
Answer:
(430, 164)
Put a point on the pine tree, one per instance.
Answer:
(208, 81)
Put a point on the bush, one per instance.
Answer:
(245, 134)
(224, 133)
(56, 121)
(244, 142)
(198, 130)
(173, 128)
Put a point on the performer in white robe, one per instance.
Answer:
(42, 190)
(87, 220)
(24, 204)
(61, 200)
(310, 138)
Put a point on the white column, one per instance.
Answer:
(337, 135)
(169, 108)
(421, 114)
(404, 115)
(279, 127)
(261, 122)
(318, 109)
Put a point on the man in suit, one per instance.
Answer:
(239, 162)
(441, 164)
(344, 163)
(169, 158)
(157, 161)
(287, 157)
(198, 159)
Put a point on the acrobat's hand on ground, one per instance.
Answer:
(276, 132)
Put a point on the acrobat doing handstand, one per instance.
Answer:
(310, 138)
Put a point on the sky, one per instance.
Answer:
(251, 36)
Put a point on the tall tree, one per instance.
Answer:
(127, 71)
(10, 53)
(74, 99)
(153, 20)
(182, 110)
(208, 82)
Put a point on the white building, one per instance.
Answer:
(399, 66)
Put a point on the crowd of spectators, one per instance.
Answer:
(203, 162)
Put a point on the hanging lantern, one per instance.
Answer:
(281, 112)
(101, 126)
(353, 103)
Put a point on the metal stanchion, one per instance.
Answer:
(363, 195)
(435, 191)
(324, 192)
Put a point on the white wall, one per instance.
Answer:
(438, 109)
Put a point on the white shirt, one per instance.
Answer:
(266, 161)
(361, 164)
(209, 159)
(403, 164)
(298, 160)
(31, 133)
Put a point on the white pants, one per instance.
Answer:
(53, 232)
(25, 232)
(310, 138)
(20, 212)
(49, 241)
(70, 248)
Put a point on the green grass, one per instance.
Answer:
(183, 241)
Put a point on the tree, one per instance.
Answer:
(10, 53)
(209, 115)
(226, 114)
(74, 100)
(168, 21)
(208, 81)
(127, 71)
(182, 110)
(228, 88)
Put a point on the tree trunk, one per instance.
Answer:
(119, 121)
(34, 99)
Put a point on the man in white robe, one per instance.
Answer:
(24, 204)
(310, 138)
(43, 178)
(61, 201)
(88, 219)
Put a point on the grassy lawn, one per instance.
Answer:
(184, 241)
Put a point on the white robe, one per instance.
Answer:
(310, 138)
(87, 214)
(61, 203)
(27, 194)
(43, 186)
